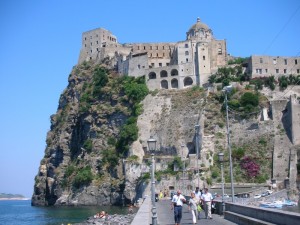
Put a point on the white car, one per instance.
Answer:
(257, 196)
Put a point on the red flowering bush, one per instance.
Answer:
(252, 168)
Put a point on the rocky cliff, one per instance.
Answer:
(96, 151)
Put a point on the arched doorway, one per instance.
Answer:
(187, 81)
(163, 73)
(174, 72)
(174, 83)
(152, 75)
(164, 84)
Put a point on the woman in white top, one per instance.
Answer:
(193, 207)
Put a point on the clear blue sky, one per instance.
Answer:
(40, 42)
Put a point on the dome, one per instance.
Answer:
(199, 25)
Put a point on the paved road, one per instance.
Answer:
(165, 215)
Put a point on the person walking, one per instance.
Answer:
(193, 207)
(198, 194)
(206, 199)
(177, 203)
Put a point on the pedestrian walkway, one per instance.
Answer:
(165, 216)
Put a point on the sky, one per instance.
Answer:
(40, 41)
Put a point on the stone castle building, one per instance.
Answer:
(264, 66)
(177, 65)
(165, 65)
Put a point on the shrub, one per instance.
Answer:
(249, 98)
(83, 177)
(88, 145)
(252, 169)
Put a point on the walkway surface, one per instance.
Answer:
(165, 216)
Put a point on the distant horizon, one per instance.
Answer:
(41, 43)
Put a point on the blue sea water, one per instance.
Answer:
(20, 212)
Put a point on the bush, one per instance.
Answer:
(83, 177)
(88, 145)
(238, 153)
(249, 98)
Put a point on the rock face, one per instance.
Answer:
(89, 160)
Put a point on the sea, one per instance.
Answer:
(20, 212)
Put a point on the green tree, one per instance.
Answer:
(249, 98)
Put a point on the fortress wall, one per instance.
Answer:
(282, 142)
(274, 65)
(295, 118)
(138, 65)
(218, 54)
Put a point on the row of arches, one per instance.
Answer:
(164, 84)
(163, 73)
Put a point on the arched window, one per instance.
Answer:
(187, 81)
(163, 73)
(174, 83)
(152, 75)
(164, 84)
(174, 72)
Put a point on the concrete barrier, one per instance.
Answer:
(273, 216)
(143, 215)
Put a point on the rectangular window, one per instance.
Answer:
(97, 42)
(144, 47)
(219, 51)
(167, 64)
(160, 64)
(163, 47)
(186, 45)
(277, 70)
(156, 47)
(284, 71)
(296, 62)
(186, 52)
(138, 47)
(152, 64)
(285, 61)
(150, 47)
(139, 66)
(186, 59)
(266, 70)
(298, 71)
(204, 57)
(261, 60)
(91, 43)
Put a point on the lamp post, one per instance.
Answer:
(197, 128)
(152, 148)
(183, 169)
(228, 89)
(221, 160)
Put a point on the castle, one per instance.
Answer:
(177, 65)
(166, 65)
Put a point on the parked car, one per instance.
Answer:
(257, 196)
(264, 194)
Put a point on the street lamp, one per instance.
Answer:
(197, 128)
(227, 90)
(221, 160)
(152, 147)
(183, 168)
